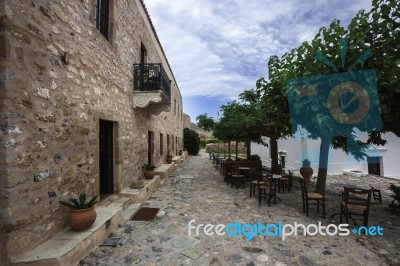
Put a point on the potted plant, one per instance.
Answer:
(306, 171)
(254, 157)
(82, 214)
(148, 171)
(169, 159)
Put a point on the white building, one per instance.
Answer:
(382, 160)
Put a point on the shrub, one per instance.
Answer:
(191, 141)
(202, 143)
(395, 190)
(254, 157)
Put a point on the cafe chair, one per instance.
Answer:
(255, 182)
(267, 191)
(355, 204)
(237, 177)
(376, 193)
(311, 198)
(286, 180)
(228, 173)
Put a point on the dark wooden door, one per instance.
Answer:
(150, 147)
(374, 165)
(106, 162)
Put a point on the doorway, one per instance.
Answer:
(150, 147)
(375, 165)
(106, 160)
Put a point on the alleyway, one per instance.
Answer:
(197, 191)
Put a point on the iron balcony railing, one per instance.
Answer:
(151, 77)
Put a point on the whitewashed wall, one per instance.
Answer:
(298, 149)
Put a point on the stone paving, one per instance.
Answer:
(197, 191)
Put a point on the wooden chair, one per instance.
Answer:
(237, 177)
(311, 198)
(355, 203)
(255, 181)
(286, 181)
(376, 193)
(267, 191)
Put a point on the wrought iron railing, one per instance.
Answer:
(151, 77)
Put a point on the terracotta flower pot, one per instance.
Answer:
(81, 219)
(149, 174)
(306, 172)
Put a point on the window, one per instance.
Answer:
(161, 144)
(102, 16)
(174, 106)
(143, 54)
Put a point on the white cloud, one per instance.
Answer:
(220, 48)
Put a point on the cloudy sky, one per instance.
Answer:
(218, 48)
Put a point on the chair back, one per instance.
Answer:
(357, 197)
(303, 187)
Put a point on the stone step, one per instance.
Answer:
(69, 247)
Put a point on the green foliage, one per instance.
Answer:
(254, 157)
(203, 143)
(147, 166)
(395, 190)
(191, 141)
(306, 163)
(80, 203)
(213, 141)
(205, 122)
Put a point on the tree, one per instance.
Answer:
(238, 123)
(205, 122)
(376, 30)
(191, 141)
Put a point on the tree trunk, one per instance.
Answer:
(274, 155)
(248, 143)
(323, 164)
(229, 149)
(236, 147)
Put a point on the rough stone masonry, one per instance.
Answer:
(59, 76)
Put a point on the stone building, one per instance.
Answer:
(87, 97)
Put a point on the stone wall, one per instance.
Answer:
(188, 124)
(50, 110)
(218, 147)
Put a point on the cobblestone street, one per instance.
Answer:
(197, 191)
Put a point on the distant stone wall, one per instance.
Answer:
(50, 110)
(202, 133)
(188, 124)
(213, 147)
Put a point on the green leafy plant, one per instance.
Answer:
(395, 190)
(80, 203)
(191, 141)
(306, 163)
(147, 166)
(254, 157)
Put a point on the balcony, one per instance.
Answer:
(151, 87)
